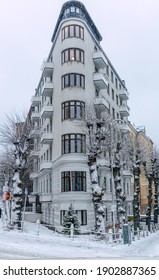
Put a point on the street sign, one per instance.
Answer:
(6, 196)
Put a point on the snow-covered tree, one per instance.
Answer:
(120, 196)
(104, 141)
(70, 218)
(136, 203)
(14, 139)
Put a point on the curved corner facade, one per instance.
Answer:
(77, 74)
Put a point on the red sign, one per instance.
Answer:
(6, 196)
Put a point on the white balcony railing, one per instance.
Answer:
(46, 166)
(124, 110)
(47, 88)
(35, 100)
(123, 94)
(47, 111)
(44, 197)
(99, 60)
(47, 69)
(102, 103)
(46, 138)
(100, 80)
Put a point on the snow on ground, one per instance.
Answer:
(50, 245)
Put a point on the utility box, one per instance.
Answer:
(127, 233)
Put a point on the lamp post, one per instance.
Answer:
(118, 197)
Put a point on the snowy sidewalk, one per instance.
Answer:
(50, 245)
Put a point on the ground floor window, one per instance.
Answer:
(82, 217)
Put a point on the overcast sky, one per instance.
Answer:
(130, 31)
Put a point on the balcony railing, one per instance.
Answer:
(123, 94)
(35, 100)
(124, 110)
(33, 175)
(47, 88)
(99, 60)
(44, 197)
(102, 103)
(34, 153)
(35, 116)
(46, 166)
(100, 81)
(47, 69)
(47, 111)
(46, 138)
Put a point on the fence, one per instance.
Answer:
(91, 235)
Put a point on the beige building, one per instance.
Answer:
(76, 74)
(142, 142)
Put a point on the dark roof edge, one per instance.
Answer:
(86, 17)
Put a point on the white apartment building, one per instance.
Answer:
(76, 74)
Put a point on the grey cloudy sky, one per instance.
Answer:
(130, 31)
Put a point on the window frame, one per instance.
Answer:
(72, 109)
(73, 80)
(66, 55)
(73, 143)
(70, 181)
(72, 31)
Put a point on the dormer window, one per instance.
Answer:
(73, 9)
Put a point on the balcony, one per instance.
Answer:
(34, 153)
(47, 111)
(35, 101)
(32, 197)
(33, 175)
(44, 197)
(123, 94)
(102, 103)
(127, 173)
(35, 116)
(47, 88)
(47, 69)
(46, 138)
(99, 60)
(46, 166)
(100, 81)
(124, 110)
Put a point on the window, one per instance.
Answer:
(117, 100)
(110, 185)
(73, 80)
(62, 214)
(73, 110)
(108, 89)
(113, 113)
(107, 70)
(73, 31)
(112, 77)
(105, 183)
(116, 83)
(72, 55)
(106, 214)
(73, 181)
(82, 217)
(113, 94)
(73, 143)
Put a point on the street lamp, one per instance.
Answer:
(115, 166)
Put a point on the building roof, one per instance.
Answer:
(83, 14)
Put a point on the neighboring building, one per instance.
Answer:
(76, 74)
(145, 145)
